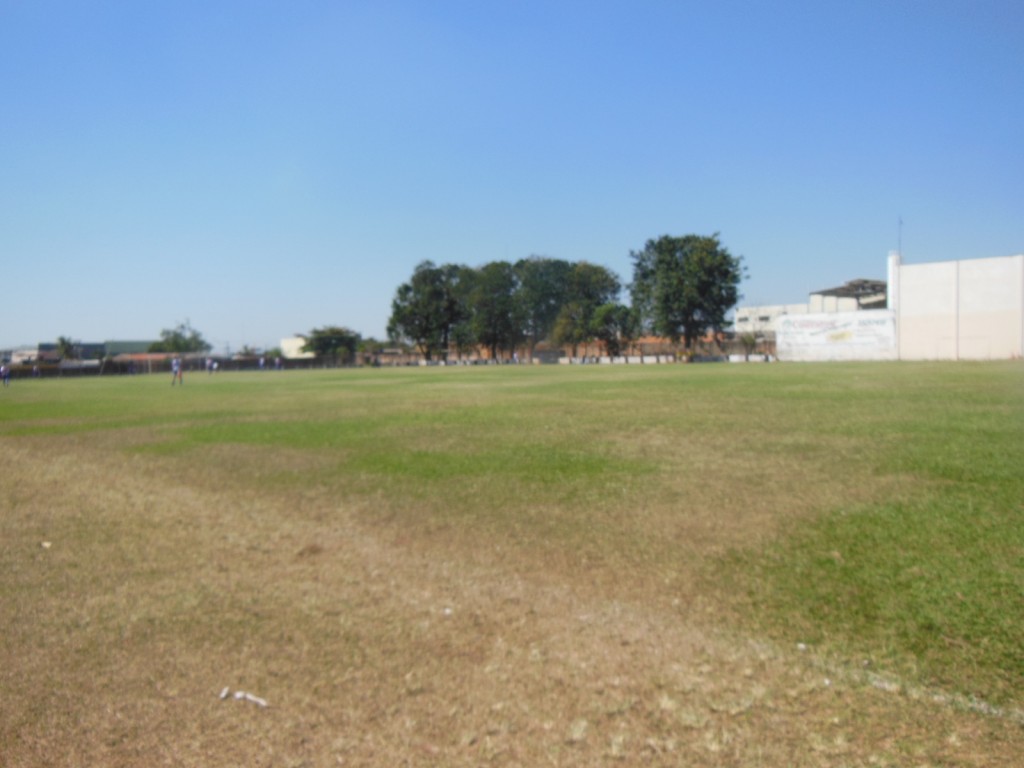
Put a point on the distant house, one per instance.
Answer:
(849, 297)
(48, 352)
(114, 348)
(19, 356)
(291, 348)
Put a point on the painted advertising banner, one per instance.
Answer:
(865, 335)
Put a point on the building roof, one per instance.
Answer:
(127, 347)
(855, 289)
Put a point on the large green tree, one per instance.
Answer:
(333, 344)
(463, 338)
(684, 286)
(571, 326)
(429, 306)
(592, 285)
(460, 332)
(497, 313)
(543, 287)
(183, 339)
(588, 286)
(616, 326)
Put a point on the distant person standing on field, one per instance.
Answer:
(176, 372)
(5, 374)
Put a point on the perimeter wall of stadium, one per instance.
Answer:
(951, 310)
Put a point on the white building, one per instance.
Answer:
(291, 348)
(851, 297)
(950, 310)
(958, 310)
(760, 321)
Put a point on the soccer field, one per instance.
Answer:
(779, 564)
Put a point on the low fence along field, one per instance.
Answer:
(799, 565)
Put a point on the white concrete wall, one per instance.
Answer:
(960, 310)
(991, 309)
(863, 335)
(927, 311)
(819, 303)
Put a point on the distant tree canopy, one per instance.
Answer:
(542, 291)
(683, 286)
(588, 287)
(616, 326)
(499, 305)
(183, 339)
(66, 348)
(496, 309)
(428, 308)
(334, 344)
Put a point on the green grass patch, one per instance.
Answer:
(928, 585)
(930, 591)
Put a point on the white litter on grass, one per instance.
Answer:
(243, 696)
(46, 545)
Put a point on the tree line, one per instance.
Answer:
(681, 288)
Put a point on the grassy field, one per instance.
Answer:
(756, 565)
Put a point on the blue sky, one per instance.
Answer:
(264, 168)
